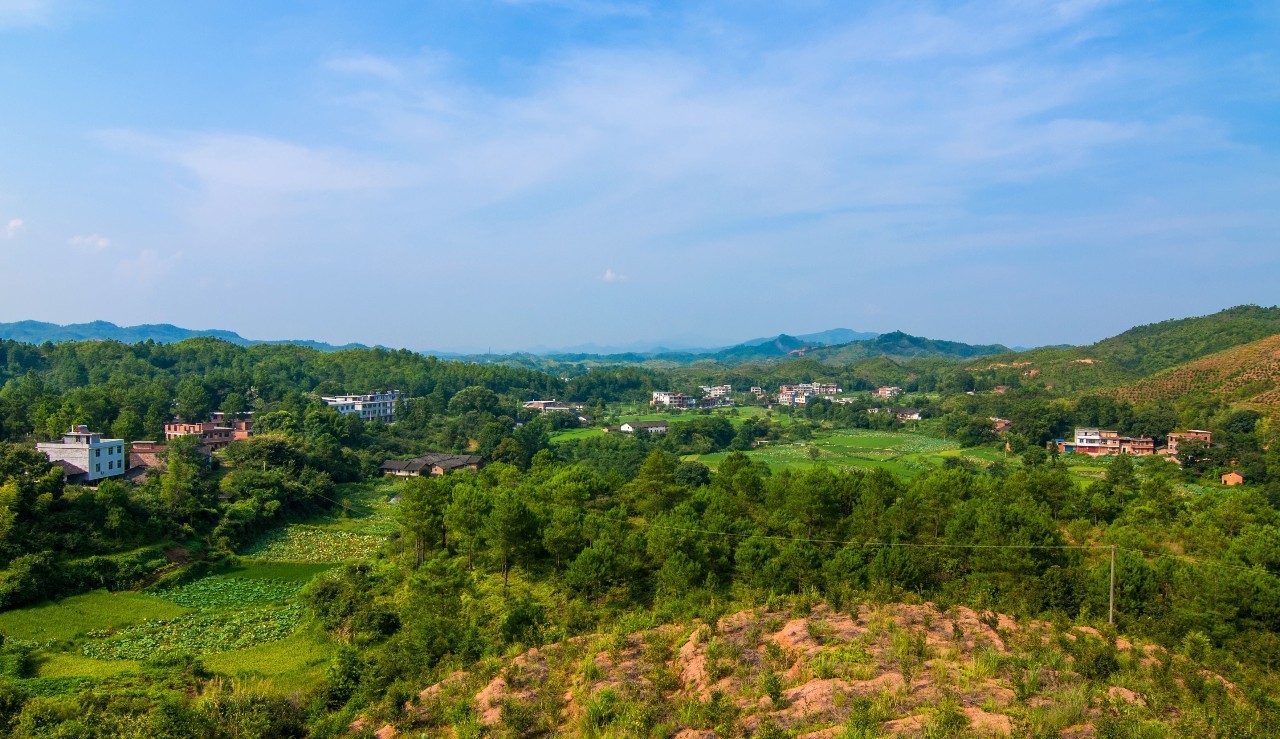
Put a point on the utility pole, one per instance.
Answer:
(1111, 606)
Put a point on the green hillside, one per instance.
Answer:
(1137, 353)
(1249, 375)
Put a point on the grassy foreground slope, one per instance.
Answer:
(813, 671)
(1248, 375)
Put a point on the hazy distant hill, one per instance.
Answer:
(828, 337)
(904, 346)
(38, 332)
(779, 348)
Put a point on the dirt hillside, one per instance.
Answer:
(909, 670)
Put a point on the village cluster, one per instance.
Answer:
(86, 457)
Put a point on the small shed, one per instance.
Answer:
(1232, 478)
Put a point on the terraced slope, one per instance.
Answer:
(913, 670)
(1248, 375)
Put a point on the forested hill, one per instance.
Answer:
(39, 332)
(1140, 352)
(132, 389)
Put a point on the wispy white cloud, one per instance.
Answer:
(14, 13)
(611, 276)
(365, 64)
(90, 242)
(12, 228)
(263, 165)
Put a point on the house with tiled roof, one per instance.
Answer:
(431, 465)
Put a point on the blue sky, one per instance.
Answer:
(466, 174)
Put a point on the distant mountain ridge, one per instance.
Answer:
(39, 332)
(830, 336)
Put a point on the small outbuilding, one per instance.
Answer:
(1232, 479)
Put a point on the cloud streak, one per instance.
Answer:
(12, 228)
(90, 242)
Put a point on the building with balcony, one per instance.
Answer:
(216, 433)
(672, 400)
(1102, 442)
(84, 456)
(380, 406)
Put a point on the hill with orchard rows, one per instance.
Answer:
(1134, 355)
(1247, 375)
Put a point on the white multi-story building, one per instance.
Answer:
(672, 400)
(86, 456)
(370, 407)
(788, 395)
(717, 391)
(804, 392)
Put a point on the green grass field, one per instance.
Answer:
(633, 413)
(574, 434)
(294, 663)
(903, 453)
(65, 664)
(75, 616)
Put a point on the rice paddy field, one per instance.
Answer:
(245, 620)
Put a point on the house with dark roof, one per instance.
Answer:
(144, 456)
(431, 465)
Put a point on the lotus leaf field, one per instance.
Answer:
(302, 543)
(230, 592)
(195, 633)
